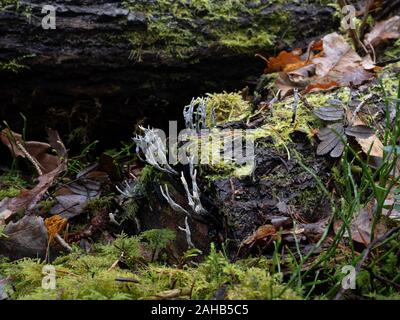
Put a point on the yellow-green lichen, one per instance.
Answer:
(226, 107)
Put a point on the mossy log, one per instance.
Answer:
(109, 64)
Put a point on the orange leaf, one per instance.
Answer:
(321, 86)
(285, 61)
(318, 45)
(261, 233)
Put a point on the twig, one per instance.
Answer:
(385, 281)
(363, 25)
(295, 104)
(353, 33)
(360, 106)
(30, 158)
(62, 242)
(116, 262)
(128, 280)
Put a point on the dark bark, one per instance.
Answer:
(80, 74)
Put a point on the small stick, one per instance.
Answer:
(116, 262)
(363, 25)
(129, 280)
(30, 158)
(62, 242)
(295, 104)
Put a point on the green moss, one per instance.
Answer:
(11, 185)
(279, 126)
(12, 65)
(157, 240)
(90, 276)
(244, 40)
(226, 107)
(96, 205)
(131, 208)
(6, 3)
(47, 205)
(173, 27)
(393, 51)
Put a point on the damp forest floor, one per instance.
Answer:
(315, 215)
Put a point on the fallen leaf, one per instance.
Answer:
(285, 61)
(28, 199)
(383, 31)
(366, 138)
(337, 64)
(330, 140)
(392, 205)
(69, 206)
(330, 113)
(25, 238)
(361, 225)
(261, 233)
(321, 86)
(34, 149)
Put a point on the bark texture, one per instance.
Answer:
(111, 64)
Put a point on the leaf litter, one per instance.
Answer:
(327, 64)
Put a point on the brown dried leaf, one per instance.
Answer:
(322, 86)
(261, 233)
(340, 63)
(368, 141)
(336, 65)
(384, 30)
(25, 238)
(361, 226)
(28, 199)
(37, 150)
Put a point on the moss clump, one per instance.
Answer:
(226, 107)
(12, 66)
(393, 51)
(11, 185)
(280, 125)
(90, 276)
(98, 204)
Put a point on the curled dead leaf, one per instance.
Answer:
(28, 199)
(366, 138)
(384, 30)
